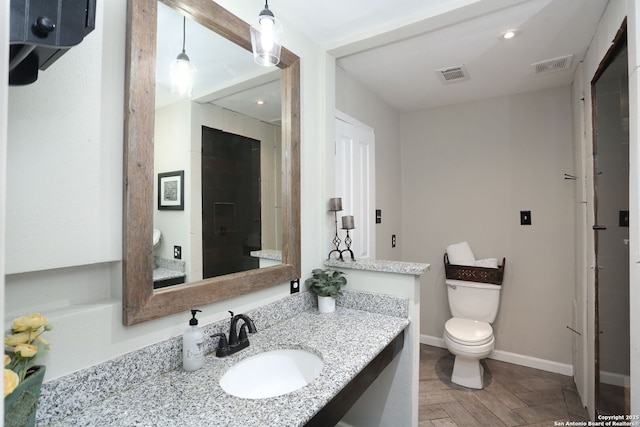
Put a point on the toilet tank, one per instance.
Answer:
(473, 300)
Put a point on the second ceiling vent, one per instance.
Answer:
(453, 74)
(551, 65)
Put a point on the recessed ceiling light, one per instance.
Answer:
(261, 102)
(507, 35)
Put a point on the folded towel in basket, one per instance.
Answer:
(487, 263)
(461, 254)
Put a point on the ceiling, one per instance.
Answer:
(225, 73)
(395, 47)
(420, 37)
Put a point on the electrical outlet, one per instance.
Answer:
(295, 286)
(177, 252)
(623, 220)
(525, 217)
(393, 240)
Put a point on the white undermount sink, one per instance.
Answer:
(271, 374)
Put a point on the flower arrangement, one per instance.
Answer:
(22, 347)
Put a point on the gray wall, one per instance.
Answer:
(467, 172)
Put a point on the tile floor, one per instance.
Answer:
(513, 395)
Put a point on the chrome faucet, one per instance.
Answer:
(237, 341)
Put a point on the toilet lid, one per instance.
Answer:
(465, 331)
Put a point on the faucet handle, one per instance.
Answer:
(223, 344)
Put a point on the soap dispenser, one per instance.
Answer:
(193, 345)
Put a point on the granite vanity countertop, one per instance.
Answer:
(397, 267)
(161, 273)
(347, 341)
(268, 254)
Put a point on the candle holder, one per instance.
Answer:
(335, 205)
(347, 224)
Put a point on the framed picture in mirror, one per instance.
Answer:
(171, 191)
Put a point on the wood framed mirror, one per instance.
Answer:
(140, 301)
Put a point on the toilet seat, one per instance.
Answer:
(468, 332)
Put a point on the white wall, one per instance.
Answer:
(65, 137)
(583, 349)
(467, 172)
(171, 152)
(4, 76)
(358, 102)
(393, 398)
(69, 185)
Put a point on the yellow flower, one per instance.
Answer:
(26, 350)
(15, 339)
(32, 321)
(25, 344)
(10, 380)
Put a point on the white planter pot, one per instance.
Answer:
(326, 304)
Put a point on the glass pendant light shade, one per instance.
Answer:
(266, 36)
(182, 71)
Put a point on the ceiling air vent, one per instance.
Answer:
(551, 65)
(453, 74)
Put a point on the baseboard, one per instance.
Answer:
(432, 341)
(343, 424)
(517, 359)
(615, 379)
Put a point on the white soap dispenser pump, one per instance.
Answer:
(193, 345)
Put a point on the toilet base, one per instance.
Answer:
(467, 372)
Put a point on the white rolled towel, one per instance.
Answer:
(487, 263)
(461, 254)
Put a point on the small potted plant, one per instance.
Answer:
(326, 285)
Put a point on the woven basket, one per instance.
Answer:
(474, 274)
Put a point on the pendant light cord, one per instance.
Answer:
(184, 32)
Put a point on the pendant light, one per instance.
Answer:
(182, 71)
(266, 33)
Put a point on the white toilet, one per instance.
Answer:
(468, 334)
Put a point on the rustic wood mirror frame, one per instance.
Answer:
(140, 302)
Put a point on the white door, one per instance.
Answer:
(355, 184)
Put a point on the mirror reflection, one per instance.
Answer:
(218, 151)
(141, 302)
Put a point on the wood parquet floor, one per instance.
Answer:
(513, 395)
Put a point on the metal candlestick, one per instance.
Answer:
(347, 241)
(336, 240)
(335, 205)
(347, 224)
